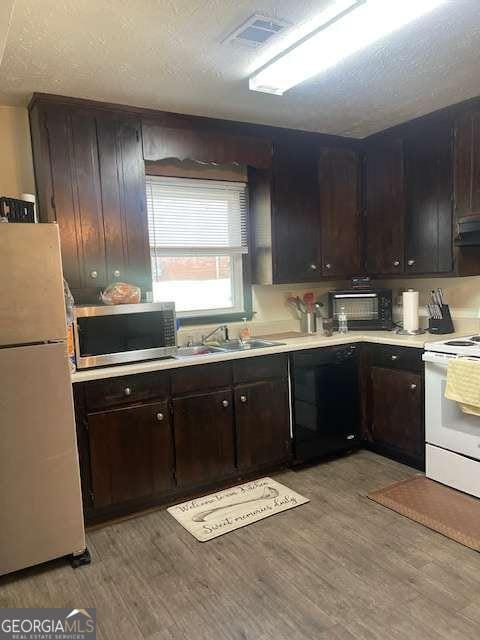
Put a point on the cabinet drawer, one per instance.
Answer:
(260, 368)
(127, 389)
(201, 378)
(391, 357)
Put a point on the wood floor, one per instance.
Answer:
(338, 568)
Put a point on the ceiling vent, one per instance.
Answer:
(257, 31)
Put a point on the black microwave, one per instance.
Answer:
(366, 309)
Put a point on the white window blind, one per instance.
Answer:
(196, 217)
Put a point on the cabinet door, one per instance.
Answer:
(467, 165)
(77, 196)
(204, 437)
(262, 420)
(340, 213)
(123, 193)
(296, 216)
(384, 208)
(429, 207)
(397, 411)
(131, 453)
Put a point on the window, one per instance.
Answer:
(198, 239)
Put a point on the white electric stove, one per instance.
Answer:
(452, 437)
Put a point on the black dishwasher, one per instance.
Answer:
(325, 401)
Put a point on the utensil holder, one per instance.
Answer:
(308, 322)
(442, 325)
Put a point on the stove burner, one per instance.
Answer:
(461, 343)
(475, 338)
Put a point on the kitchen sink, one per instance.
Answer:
(197, 350)
(254, 343)
(224, 347)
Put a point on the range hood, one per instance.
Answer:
(468, 231)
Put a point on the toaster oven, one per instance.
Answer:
(366, 309)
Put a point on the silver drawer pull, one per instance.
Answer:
(394, 358)
(160, 417)
(225, 403)
(94, 274)
(116, 273)
(127, 391)
(396, 263)
(243, 399)
(411, 263)
(413, 387)
(328, 265)
(313, 267)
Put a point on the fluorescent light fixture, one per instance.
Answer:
(6, 13)
(348, 27)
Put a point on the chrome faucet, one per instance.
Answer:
(221, 327)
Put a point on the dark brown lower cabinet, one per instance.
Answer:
(131, 453)
(262, 423)
(204, 437)
(397, 406)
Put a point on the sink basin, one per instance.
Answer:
(254, 343)
(197, 350)
(229, 345)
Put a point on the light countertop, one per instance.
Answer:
(289, 344)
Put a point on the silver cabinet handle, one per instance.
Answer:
(396, 263)
(313, 267)
(411, 263)
(116, 273)
(127, 391)
(243, 399)
(413, 387)
(94, 274)
(328, 265)
(160, 416)
(394, 358)
(225, 403)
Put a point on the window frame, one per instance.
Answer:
(201, 317)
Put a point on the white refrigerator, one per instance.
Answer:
(40, 496)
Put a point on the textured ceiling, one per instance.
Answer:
(169, 54)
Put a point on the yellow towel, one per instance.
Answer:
(463, 384)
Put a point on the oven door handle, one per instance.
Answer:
(437, 358)
(443, 358)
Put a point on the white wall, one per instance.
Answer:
(16, 166)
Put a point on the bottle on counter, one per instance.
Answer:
(244, 333)
(342, 321)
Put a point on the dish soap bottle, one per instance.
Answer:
(342, 321)
(244, 333)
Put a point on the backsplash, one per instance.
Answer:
(273, 315)
(461, 294)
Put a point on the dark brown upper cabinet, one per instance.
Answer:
(428, 163)
(340, 213)
(193, 142)
(90, 179)
(122, 171)
(467, 165)
(296, 214)
(384, 203)
(285, 216)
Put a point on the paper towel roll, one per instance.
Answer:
(410, 310)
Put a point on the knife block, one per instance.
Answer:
(443, 325)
